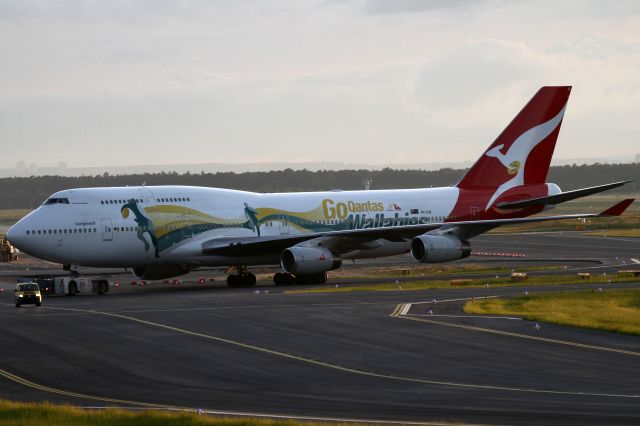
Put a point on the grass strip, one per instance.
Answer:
(44, 413)
(455, 268)
(608, 310)
(478, 282)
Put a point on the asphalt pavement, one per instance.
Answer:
(377, 356)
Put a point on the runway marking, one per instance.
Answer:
(394, 314)
(145, 405)
(465, 316)
(405, 309)
(462, 299)
(28, 383)
(345, 369)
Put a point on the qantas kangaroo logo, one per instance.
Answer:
(516, 156)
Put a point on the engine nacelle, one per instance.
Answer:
(439, 248)
(159, 272)
(308, 260)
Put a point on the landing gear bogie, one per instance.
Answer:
(284, 278)
(242, 279)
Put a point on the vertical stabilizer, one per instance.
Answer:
(521, 154)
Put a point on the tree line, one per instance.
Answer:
(29, 192)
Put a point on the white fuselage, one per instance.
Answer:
(147, 226)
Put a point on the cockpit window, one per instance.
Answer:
(57, 201)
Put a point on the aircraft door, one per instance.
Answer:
(107, 230)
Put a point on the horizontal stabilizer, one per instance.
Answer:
(562, 197)
(618, 209)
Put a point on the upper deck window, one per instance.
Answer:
(57, 201)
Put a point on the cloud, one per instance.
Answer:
(363, 80)
(411, 6)
(468, 74)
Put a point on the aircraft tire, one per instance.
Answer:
(233, 280)
(284, 278)
(248, 279)
(278, 278)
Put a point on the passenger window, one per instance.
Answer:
(27, 232)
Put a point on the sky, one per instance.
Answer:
(125, 82)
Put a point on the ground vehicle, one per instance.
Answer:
(72, 285)
(45, 282)
(28, 293)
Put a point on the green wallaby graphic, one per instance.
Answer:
(252, 217)
(144, 225)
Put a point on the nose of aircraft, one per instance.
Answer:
(16, 235)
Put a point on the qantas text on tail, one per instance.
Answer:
(165, 231)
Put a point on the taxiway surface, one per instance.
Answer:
(334, 355)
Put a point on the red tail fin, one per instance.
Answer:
(522, 153)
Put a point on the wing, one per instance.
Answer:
(342, 241)
(562, 197)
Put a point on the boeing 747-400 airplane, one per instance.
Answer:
(166, 231)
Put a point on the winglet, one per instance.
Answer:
(618, 209)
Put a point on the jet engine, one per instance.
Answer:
(439, 248)
(158, 272)
(308, 260)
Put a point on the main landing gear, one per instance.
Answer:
(243, 278)
(285, 278)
